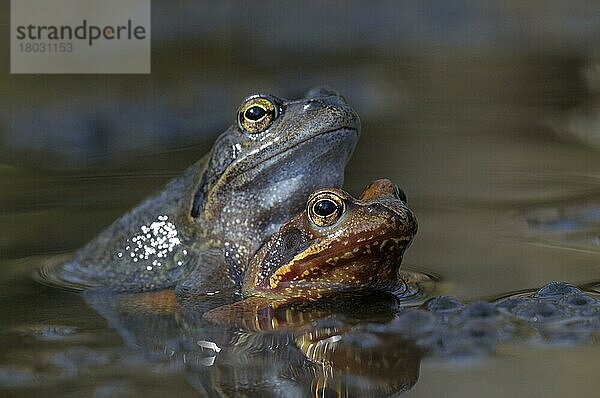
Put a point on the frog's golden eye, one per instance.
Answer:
(325, 209)
(257, 114)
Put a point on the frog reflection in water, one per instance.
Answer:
(338, 244)
(199, 232)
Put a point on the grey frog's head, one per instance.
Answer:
(263, 168)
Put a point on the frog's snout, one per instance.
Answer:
(406, 219)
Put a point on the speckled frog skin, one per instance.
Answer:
(200, 231)
(337, 244)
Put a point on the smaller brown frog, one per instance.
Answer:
(338, 244)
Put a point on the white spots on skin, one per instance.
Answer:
(154, 242)
(236, 149)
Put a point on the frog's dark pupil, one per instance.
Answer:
(255, 113)
(324, 207)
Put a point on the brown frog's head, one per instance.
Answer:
(337, 244)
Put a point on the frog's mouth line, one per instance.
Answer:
(262, 161)
(324, 260)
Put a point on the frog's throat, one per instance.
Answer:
(240, 170)
(320, 257)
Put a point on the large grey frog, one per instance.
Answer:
(199, 232)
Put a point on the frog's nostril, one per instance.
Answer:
(322, 91)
